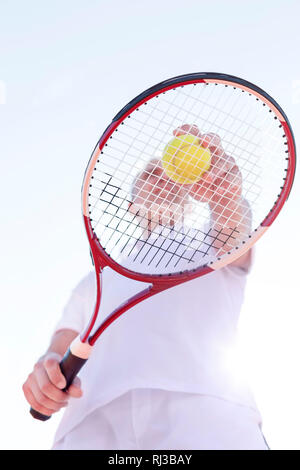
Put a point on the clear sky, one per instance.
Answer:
(66, 68)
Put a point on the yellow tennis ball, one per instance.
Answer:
(184, 160)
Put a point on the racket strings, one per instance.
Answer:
(245, 149)
(154, 186)
(113, 215)
(175, 233)
(178, 224)
(270, 134)
(244, 166)
(253, 164)
(174, 185)
(154, 214)
(186, 246)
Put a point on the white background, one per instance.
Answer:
(66, 68)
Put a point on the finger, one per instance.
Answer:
(168, 215)
(231, 177)
(134, 208)
(35, 404)
(75, 389)
(202, 190)
(41, 396)
(220, 166)
(230, 182)
(207, 177)
(212, 142)
(55, 375)
(152, 168)
(142, 214)
(153, 217)
(146, 179)
(235, 182)
(234, 176)
(187, 129)
(218, 156)
(48, 389)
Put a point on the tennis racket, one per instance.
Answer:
(149, 227)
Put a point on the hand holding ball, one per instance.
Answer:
(184, 160)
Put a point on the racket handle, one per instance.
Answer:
(70, 365)
(37, 415)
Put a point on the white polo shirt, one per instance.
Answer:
(177, 340)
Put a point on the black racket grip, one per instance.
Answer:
(69, 366)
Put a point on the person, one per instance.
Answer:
(159, 377)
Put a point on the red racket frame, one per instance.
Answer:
(80, 349)
(160, 283)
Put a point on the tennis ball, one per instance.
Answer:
(184, 160)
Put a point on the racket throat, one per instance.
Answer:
(80, 349)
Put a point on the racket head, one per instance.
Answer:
(254, 129)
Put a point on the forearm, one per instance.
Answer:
(230, 222)
(61, 340)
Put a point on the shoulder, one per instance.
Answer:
(109, 278)
(244, 263)
(86, 284)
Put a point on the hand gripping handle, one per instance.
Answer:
(70, 365)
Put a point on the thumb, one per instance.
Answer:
(187, 129)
